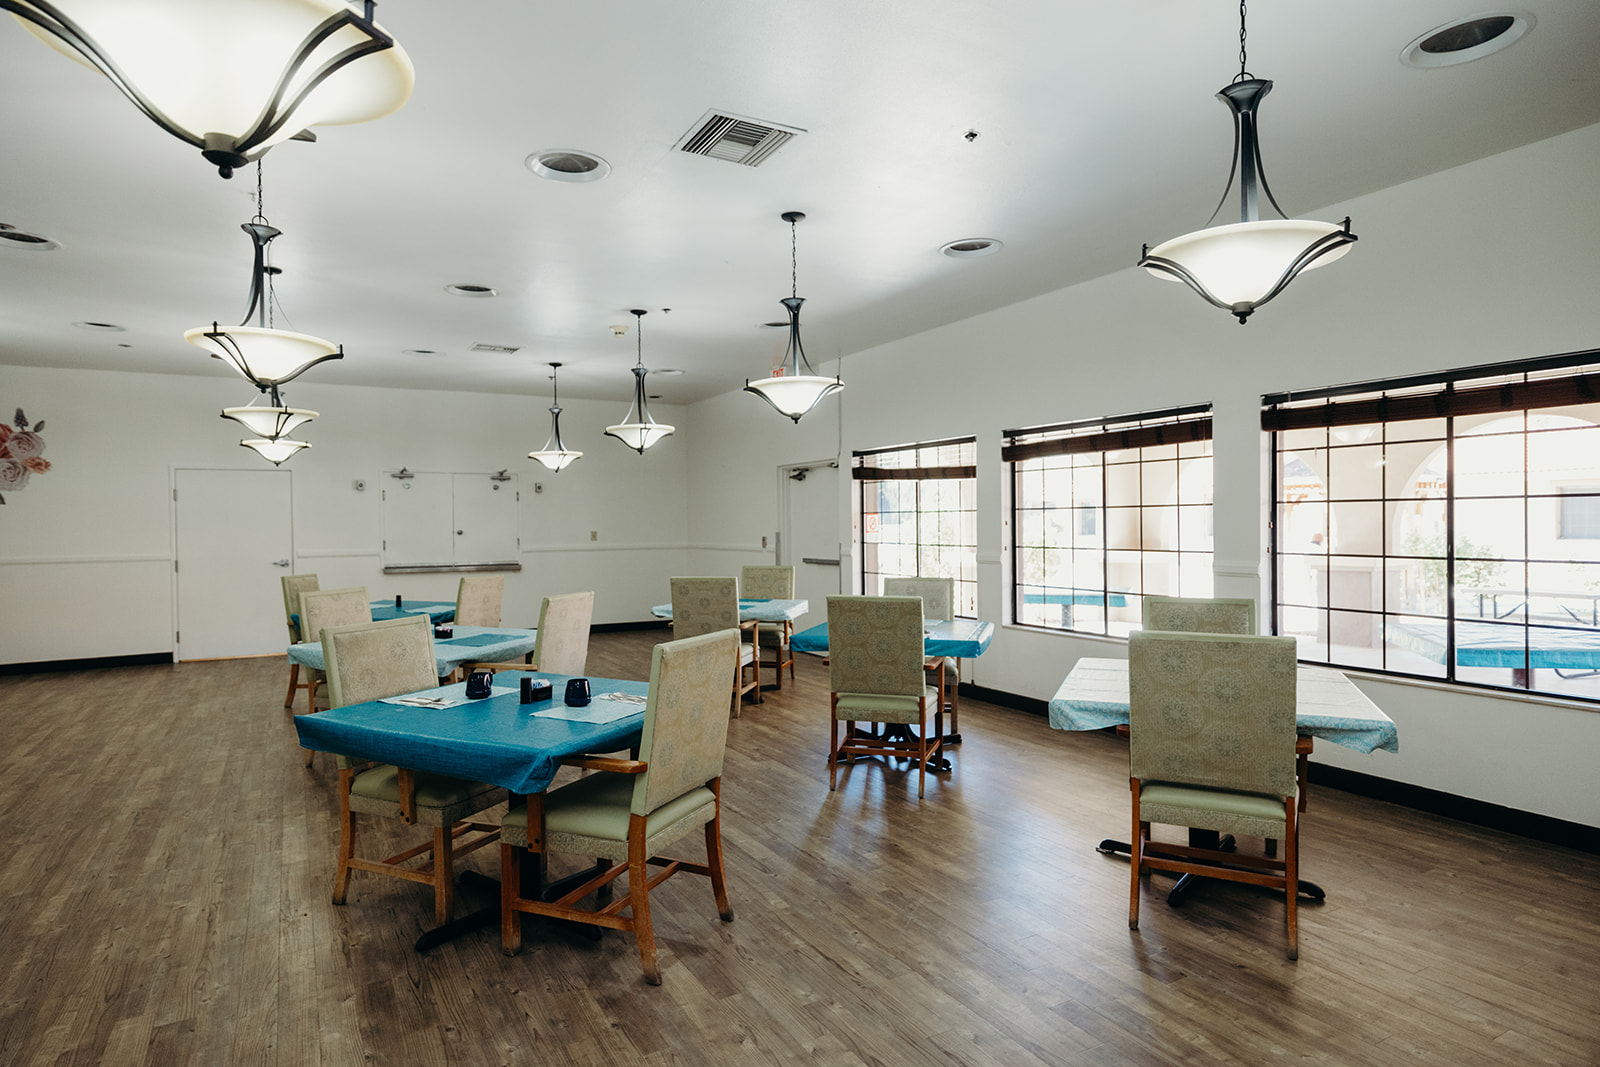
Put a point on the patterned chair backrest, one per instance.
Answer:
(1199, 615)
(293, 586)
(563, 642)
(1212, 710)
(320, 608)
(767, 583)
(875, 645)
(686, 719)
(938, 594)
(704, 605)
(372, 660)
(478, 599)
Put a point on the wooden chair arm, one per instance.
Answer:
(606, 763)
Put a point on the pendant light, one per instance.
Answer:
(275, 451)
(271, 422)
(794, 387)
(232, 79)
(638, 430)
(1240, 266)
(554, 454)
(263, 355)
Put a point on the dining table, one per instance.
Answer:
(497, 739)
(1328, 705)
(437, 611)
(468, 644)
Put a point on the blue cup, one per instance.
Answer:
(577, 692)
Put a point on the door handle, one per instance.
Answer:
(460, 532)
(281, 563)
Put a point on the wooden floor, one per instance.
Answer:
(165, 900)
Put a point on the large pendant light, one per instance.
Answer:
(638, 430)
(263, 355)
(554, 454)
(794, 387)
(1240, 266)
(232, 78)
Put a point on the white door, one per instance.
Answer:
(485, 519)
(810, 535)
(235, 541)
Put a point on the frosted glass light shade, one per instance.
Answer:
(209, 72)
(262, 355)
(556, 459)
(640, 435)
(794, 394)
(270, 423)
(275, 451)
(1243, 265)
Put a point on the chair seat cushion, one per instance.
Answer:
(747, 654)
(378, 791)
(597, 807)
(1255, 814)
(879, 707)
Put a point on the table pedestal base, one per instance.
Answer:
(1188, 882)
(900, 732)
(490, 916)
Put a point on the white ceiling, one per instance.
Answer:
(1097, 131)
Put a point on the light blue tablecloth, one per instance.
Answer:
(962, 638)
(1501, 644)
(1327, 705)
(497, 740)
(468, 645)
(438, 611)
(754, 610)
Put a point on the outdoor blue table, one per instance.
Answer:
(1498, 644)
(496, 740)
(1069, 597)
(471, 644)
(961, 638)
(438, 611)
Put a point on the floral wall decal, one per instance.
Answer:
(20, 458)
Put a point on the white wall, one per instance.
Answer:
(1487, 262)
(86, 549)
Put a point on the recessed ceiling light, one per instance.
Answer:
(971, 247)
(419, 352)
(22, 241)
(1467, 39)
(774, 325)
(568, 165)
(100, 327)
(667, 373)
(467, 289)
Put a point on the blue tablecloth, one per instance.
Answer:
(754, 610)
(487, 644)
(383, 610)
(1499, 644)
(1327, 705)
(497, 740)
(963, 638)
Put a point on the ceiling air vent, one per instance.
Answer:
(736, 138)
(481, 347)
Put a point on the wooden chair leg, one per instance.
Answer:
(294, 683)
(444, 882)
(833, 746)
(510, 889)
(639, 900)
(1135, 858)
(1291, 873)
(347, 839)
(719, 885)
(922, 749)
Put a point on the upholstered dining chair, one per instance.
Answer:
(321, 608)
(562, 644)
(293, 586)
(632, 809)
(370, 661)
(772, 583)
(938, 602)
(1211, 744)
(1199, 615)
(706, 605)
(875, 669)
(478, 599)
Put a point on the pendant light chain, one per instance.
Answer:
(638, 340)
(794, 260)
(1243, 74)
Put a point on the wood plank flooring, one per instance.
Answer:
(165, 900)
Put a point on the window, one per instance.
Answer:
(1444, 526)
(919, 516)
(1105, 512)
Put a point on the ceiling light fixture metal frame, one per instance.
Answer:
(555, 455)
(1240, 266)
(638, 430)
(794, 387)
